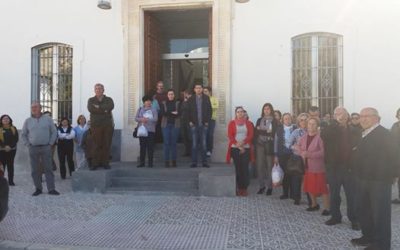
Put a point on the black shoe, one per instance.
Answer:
(54, 192)
(396, 201)
(193, 165)
(362, 241)
(107, 166)
(141, 165)
(92, 168)
(283, 197)
(332, 222)
(269, 192)
(296, 202)
(173, 163)
(325, 212)
(355, 226)
(11, 183)
(205, 165)
(37, 192)
(312, 209)
(150, 165)
(261, 190)
(167, 164)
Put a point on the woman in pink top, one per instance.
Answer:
(311, 149)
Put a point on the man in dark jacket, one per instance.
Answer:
(102, 126)
(376, 158)
(339, 139)
(199, 107)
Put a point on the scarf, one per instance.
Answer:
(240, 122)
(12, 128)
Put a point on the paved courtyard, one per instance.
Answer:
(137, 221)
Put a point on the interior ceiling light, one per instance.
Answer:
(242, 1)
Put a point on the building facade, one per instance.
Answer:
(291, 53)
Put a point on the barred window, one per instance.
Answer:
(52, 79)
(317, 72)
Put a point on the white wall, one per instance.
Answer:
(262, 32)
(94, 34)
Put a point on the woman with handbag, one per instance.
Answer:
(311, 149)
(282, 149)
(264, 143)
(240, 135)
(146, 117)
(8, 146)
(294, 166)
(170, 125)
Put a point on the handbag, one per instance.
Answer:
(295, 165)
(134, 134)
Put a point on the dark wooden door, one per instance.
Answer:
(210, 47)
(152, 52)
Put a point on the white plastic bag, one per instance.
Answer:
(142, 131)
(277, 175)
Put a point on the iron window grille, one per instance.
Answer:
(52, 79)
(317, 72)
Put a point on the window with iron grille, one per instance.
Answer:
(317, 72)
(52, 79)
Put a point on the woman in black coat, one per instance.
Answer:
(8, 146)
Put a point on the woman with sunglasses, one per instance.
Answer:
(240, 136)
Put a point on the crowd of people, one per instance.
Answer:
(318, 156)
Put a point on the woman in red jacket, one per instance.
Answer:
(240, 135)
(311, 149)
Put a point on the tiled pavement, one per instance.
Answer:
(129, 221)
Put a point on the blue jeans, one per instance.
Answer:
(210, 135)
(170, 137)
(199, 142)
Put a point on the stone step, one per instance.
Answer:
(134, 191)
(161, 173)
(154, 184)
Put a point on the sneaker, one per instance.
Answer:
(325, 212)
(37, 192)
(205, 165)
(362, 241)
(296, 202)
(312, 209)
(141, 165)
(54, 192)
(261, 190)
(107, 166)
(283, 197)
(208, 154)
(332, 222)
(193, 165)
(355, 226)
(269, 192)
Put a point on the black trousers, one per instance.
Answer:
(7, 158)
(66, 151)
(186, 137)
(241, 162)
(147, 145)
(287, 190)
(373, 205)
(339, 176)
